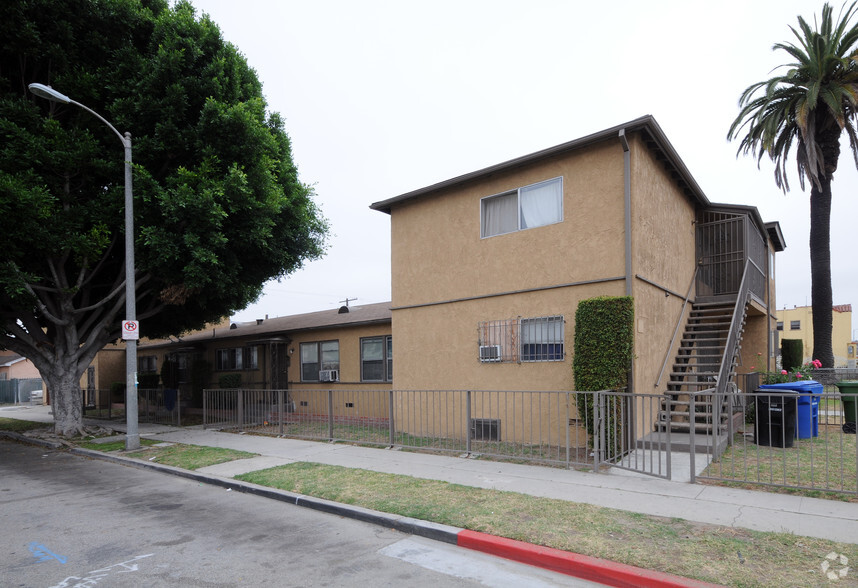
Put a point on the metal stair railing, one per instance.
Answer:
(676, 330)
(731, 349)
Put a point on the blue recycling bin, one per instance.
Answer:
(807, 412)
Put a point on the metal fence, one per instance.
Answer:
(785, 439)
(21, 390)
(569, 429)
(157, 406)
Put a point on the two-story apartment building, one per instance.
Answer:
(797, 323)
(488, 269)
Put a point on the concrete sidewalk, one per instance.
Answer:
(718, 505)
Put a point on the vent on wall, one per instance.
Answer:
(485, 429)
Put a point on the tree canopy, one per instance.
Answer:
(218, 205)
(808, 107)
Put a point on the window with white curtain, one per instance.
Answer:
(525, 208)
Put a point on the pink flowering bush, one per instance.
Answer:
(804, 372)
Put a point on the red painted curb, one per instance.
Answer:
(574, 564)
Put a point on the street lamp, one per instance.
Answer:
(129, 330)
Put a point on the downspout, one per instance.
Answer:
(627, 198)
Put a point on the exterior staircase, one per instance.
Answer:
(696, 368)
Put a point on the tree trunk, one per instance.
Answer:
(820, 270)
(66, 401)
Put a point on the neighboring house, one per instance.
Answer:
(346, 348)
(14, 366)
(488, 269)
(852, 354)
(797, 323)
(20, 381)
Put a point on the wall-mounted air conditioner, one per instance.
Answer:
(490, 353)
(329, 375)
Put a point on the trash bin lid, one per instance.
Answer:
(805, 386)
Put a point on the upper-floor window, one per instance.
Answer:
(780, 325)
(531, 206)
(795, 325)
(318, 356)
(376, 359)
(522, 339)
(237, 358)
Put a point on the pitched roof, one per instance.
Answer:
(654, 136)
(842, 308)
(378, 313)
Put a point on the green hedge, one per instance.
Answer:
(792, 354)
(604, 348)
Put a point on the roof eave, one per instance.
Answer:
(646, 123)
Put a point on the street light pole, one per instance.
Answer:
(132, 435)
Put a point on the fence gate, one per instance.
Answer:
(630, 435)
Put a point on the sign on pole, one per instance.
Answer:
(130, 330)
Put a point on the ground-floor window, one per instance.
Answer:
(522, 340)
(376, 359)
(237, 358)
(318, 357)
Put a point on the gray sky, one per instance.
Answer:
(384, 97)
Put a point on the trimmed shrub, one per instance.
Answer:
(604, 348)
(792, 354)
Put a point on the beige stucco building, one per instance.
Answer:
(797, 323)
(488, 268)
(349, 348)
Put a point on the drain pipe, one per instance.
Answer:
(627, 195)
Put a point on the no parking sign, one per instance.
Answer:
(130, 330)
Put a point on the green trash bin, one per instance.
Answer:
(849, 399)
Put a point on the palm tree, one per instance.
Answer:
(811, 104)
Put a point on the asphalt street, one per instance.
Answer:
(69, 521)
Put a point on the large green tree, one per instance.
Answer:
(218, 205)
(809, 106)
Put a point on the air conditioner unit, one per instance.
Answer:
(329, 376)
(490, 353)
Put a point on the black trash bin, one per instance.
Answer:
(775, 422)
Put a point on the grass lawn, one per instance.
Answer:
(722, 555)
(19, 426)
(825, 466)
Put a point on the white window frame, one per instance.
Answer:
(319, 348)
(520, 222)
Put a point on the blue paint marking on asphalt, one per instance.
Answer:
(44, 554)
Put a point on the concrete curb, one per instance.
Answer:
(32, 440)
(571, 564)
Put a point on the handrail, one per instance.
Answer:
(678, 324)
(733, 334)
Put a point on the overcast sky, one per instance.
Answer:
(381, 98)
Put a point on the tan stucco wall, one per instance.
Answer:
(438, 255)
(109, 364)
(663, 255)
(437, 347)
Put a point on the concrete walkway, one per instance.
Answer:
(718, 505)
